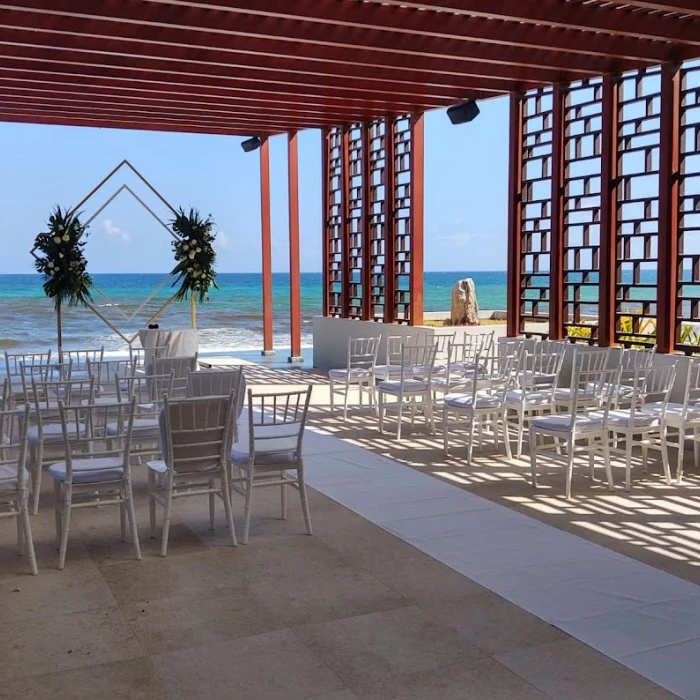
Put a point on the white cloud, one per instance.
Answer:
(223, 240)
(113, 231)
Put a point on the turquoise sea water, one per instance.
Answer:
(230, 322)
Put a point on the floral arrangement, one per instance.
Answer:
(61, 259)
(194, 253)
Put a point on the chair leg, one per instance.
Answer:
(470, 447)
(226, 495)
(381, 411)
(681, 455)
(430, 415)
(283, 499)
(628, 462)
(606, 459)
(506, 436)
(399, 418)
(570, 445)
(36, 473)
(331, 388)
(212, 506)
(122, 518)
(521, 433)
(664, 458)
(532, 439)
(248, 505)
(58, 497)
(591, 458)
(28, 543)
(304, 501)
(345, 400)
(696, 448)
(166, 522)
(152, 501)
(131, 513)
(65, 527)
(445, 430)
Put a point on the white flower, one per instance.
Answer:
(199, 250)
(192, 241)
(185, 246)
(60, 227)
(192, 255)
(51, 263)
(56, 239)
(66, 237)
(60, 255)
(189, 269)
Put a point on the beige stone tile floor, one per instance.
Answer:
(653, 523)
(351, 613)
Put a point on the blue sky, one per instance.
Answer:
(465, 193)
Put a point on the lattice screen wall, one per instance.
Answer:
(369, 221)
(653, 170)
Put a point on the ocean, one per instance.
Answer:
(230, 322)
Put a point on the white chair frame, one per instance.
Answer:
(197, 436)
(358, 372)
(13, 460)
(276, 423)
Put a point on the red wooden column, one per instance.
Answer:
(389, 223)
(294, 265)
(325, 202)
(417, 217)
(556, 263)
(345, 260)
(266, 248)
(669, 158)
(608, 212)
(515, 191)
(366, 226)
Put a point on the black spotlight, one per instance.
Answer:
(251, 144)
(463, 113)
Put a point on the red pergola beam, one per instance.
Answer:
(465, 27)
(266, 246)
(140, 66)
(131, 124)
(75, 48)
(686, 7)
(64, 30)
(313, 94)
(294, 262)
(515, 190)
(349, 40)
(587, 18)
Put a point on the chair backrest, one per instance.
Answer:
(652, 384)
(417, 362)
(588, 359)
(147, 390)
(97, 431)
(13, 441)
(394, 344)
(442, 343)
(632, 359)
(179, 366)
(277, 416)
(691, 393)
(362, 352)
(219, 382)
(464, 354)
(105, 371)
(541, 368)
(13, 362)
(80, 359)
(54, 372)
(197, 432)
(71, 392)
(6, 395)
(592, 387)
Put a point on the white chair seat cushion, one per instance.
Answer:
(623, 419)
(530, 398)
(465, 401)
(8, 477)
(157, 465)
(280, 450)
(354, 373)
(52, 432)
(392, 386)
(674, 412)
(386, 371)
(585, 423)
(143, 427)
(89, 470)
(531, 377)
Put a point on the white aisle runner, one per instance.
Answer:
(640, 616)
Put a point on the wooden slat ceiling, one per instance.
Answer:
(267, 66)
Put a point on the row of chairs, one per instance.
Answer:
(99, 438)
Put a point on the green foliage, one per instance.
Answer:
(578, 332)
(61, 260)
(194, 254)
